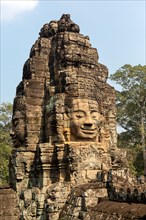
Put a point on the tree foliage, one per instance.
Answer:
(5, 141)
(131, 108)
(5, 115)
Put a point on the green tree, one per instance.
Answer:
(5, 140)
(131, 106)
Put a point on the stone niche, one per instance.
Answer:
(64, 127)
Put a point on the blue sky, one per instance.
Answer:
(116, 29)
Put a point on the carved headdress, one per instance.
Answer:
(75, 73)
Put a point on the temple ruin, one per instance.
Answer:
(65, 160)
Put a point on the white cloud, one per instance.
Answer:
(10, 9)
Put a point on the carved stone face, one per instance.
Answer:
(44, 30)
(85, 120)
(18, 129)
(53, 25)
(49, 29)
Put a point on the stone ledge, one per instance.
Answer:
(124, 210)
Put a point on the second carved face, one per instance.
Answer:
(18, 130)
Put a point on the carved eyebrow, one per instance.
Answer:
(94, 110)
(94, 106)
(78, 111)
(15, 118)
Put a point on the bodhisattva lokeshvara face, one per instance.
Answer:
(18, 129)
(85, 120)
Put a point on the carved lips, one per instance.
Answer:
(89, 129)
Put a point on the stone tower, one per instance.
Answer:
(64, 125)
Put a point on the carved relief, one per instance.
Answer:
(49, 30)
(64, 116)
(18, 131)
(85, 120)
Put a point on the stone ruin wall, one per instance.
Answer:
(8, 204)
(64, 126)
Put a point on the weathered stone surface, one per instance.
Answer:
(113, 210)
(9, 204)
(65, 157)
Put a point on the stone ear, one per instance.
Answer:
(66, 116)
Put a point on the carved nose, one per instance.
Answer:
(89, 121)
(12, 132)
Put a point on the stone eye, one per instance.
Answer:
(15, 122)
(94, 114)
(80, 114)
